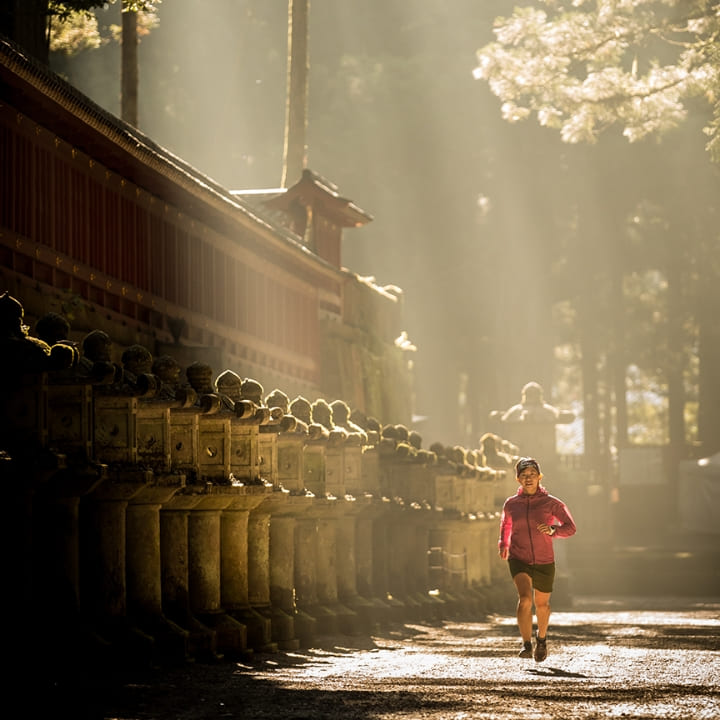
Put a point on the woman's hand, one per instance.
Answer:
(503, 553)
(546, 529)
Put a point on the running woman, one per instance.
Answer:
(530, 521)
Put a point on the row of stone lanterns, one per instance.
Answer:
(176, 518)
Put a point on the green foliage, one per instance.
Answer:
(647, 409)
(76, 25)
(76, 32)
(583, 67)
(67, 8)
(63, 11)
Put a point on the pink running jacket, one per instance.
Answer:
(521, 515)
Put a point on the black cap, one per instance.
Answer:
(526, 462)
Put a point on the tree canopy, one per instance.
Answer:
(584, 66)
(66, 8)
(650, 69)
(68, 25)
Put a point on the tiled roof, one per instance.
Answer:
(36, 91)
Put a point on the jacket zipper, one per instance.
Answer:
(532, 546)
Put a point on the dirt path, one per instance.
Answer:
(640, 659)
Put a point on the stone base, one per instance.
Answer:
(283, 627)
(259, 628)
(306, 628)
(326, 619)
(369, 614)
(130, 644)
(202, 640)
(171, 640)
(231, 635)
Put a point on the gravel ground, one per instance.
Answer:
(638, 658)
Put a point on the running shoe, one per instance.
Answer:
(526, 652)
(540, 649)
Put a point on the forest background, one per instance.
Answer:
(585, 262)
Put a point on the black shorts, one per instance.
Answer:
(542, 576)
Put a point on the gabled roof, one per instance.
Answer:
(258, 200)
(319, 193)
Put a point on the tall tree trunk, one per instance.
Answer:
(26, 22)
(295, 155)
(675, 355)
(617, 422)
(676, 344)
(617, 360)
(590, 383)
(588, 265)
(709, 374)
(129, 71)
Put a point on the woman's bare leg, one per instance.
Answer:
(542, 610)
(523, 583)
